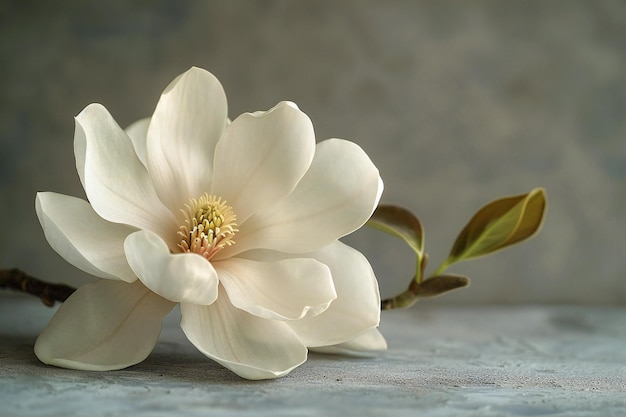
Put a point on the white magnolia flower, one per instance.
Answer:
(238, 222)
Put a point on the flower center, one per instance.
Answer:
(210, 226)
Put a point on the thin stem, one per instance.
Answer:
(419, 269)
(48, 293)
(403, 300)
(444, 265)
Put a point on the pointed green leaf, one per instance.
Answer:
(399, 222)
(499, 224)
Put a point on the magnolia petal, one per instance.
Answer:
(187, 123)
(281, 290)
(115, 181)
(337, 195)
(251, 347)
(357, 307)
(138, 132)
(181, 277)
(261, 158)
(371, 340)
(83, 238)
(104, 325)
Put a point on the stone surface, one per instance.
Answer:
(457, 103)
(442, 361)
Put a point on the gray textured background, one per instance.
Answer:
(456, 102)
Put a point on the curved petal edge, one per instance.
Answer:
(105, 325)
(252, 347)
(181, 277)
(83, 238)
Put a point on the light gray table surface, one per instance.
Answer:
(441, 361)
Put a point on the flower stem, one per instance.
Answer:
(48, 293)
(403, 300)
(444, 265)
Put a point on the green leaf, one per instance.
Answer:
(499, 224)
(399, 222)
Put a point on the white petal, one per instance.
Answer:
(138, 132)
(252, 347)
(369, 341)
(280, 290)
(187, 123)
(181, 277)
(357, 307)
(337, 195)
(104, 325)
(115, 181)
(261, 158)
(82, 237)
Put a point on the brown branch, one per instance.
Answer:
(19, 281)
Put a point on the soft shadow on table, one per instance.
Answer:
(172, 362)
(177, 363)
(167, 362)
(17, 350)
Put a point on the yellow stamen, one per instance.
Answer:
(210, 226)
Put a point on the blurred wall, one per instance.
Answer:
(456, 102)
